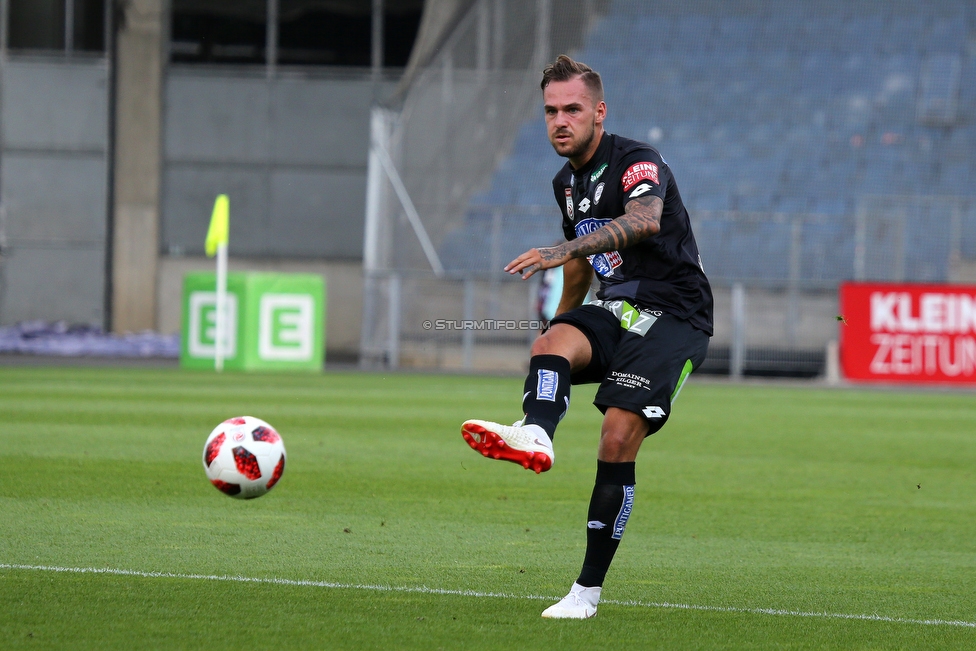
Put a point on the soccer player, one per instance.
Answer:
(648, 328)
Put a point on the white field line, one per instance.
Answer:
(483, 595)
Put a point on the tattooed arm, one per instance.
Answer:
(641, 219)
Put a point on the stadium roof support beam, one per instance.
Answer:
(376, 46)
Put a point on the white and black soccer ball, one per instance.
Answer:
(244, 457)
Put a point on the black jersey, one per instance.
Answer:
(663, 272)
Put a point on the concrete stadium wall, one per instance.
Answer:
(54, 183)
(289, 151)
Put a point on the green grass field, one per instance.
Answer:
(766, 517)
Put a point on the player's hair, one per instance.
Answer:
(564, 69)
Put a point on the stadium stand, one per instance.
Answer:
(775, 117)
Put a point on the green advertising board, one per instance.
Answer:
(274, 321)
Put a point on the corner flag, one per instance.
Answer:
(219, 230)
(217, 237)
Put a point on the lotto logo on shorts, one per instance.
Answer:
(654, 412)
(639, 172)
(546, 390)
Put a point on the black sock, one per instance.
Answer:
(610, 506)
(546, 392)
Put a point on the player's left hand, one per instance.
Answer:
(535, 260)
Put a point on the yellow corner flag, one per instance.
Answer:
(219, 230)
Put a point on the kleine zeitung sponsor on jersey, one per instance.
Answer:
(638, 172)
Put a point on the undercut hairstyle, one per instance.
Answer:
(564, 69)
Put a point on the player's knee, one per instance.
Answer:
(622, 434)
(616, 449)
(543, 345)
(566, 341)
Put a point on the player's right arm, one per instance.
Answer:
(641, 219)
(577, 275)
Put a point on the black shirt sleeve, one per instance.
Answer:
(643, 173)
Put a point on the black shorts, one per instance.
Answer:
(641, 369)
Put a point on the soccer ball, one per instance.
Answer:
(244, 457)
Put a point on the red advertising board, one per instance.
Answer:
(908, 332)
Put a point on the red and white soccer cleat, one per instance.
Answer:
(527, 445)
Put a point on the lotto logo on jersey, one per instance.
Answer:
(639, 172)
(603, 263)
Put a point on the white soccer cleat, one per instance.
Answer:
(526, 445)
(580, 603)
